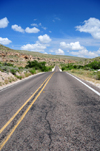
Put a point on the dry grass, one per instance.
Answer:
(86, 75)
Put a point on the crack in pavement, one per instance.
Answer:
(49, 127)
(17, 117)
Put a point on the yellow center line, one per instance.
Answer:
(22, 117)
(10, 120)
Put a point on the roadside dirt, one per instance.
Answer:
(90, 80)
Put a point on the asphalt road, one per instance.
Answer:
(62, 115)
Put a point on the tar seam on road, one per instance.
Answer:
(4, 141)
(85, 84)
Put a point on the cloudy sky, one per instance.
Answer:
(64, 27)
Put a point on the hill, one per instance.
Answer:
(20, 57)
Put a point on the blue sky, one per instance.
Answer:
(64, 27)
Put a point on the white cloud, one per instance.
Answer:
(44, 39)
(38, 47)
(82, 51)
(50, 31)
(44, 28)
(84, 41)
(98, 51)
(71, 46)
(51, 50)
(17, 28)
(32, 30)
(57, 18)
(34, 25)
(45, 53)
(4, 22)
(5, 41)
(35, 19)
(40, 24)
(59, 52)
(85, 53)
(92, 26)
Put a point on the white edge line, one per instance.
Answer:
(16, 82)
(85, 84)
(53, 69)
(60, 70)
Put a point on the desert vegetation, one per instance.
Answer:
(9, 72)
(20, 57)
(90, 69)
(18, 64)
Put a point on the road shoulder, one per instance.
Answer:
(18, 81)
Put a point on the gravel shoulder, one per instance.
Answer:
(15, 81)
(90, 80)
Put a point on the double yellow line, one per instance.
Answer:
(24, 114)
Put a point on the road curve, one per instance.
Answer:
(61, 114)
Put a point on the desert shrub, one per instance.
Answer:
(67, 67)
(3, 68)
(79, 67)
(11, 79)
(32, 71)
(41, 66)
(13, 71)
(19, 77)
(20, 68)
(50, 67)
(8, 69)
(73, 71)
(97, 75)
(63, 68)
(32, 64)
(86, 68)
(27, 74)
(8, 64)
(90, 66)
(93, 65)
(6, 81)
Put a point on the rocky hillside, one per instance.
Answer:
(20, 57)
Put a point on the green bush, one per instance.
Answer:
(90, 66)
(13, 71)
(33, 64)
(3, 68)
(27, 74)
(41, 66)
(8, 67)
(19, 77)
(86, 68)
(63, 68)
(20, 68)
(8, 64)
(93, 65)
(32, 71)
(97, 75)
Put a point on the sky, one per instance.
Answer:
(64, 27)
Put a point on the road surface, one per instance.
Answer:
(50, 112)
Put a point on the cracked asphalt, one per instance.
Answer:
(65, 117)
